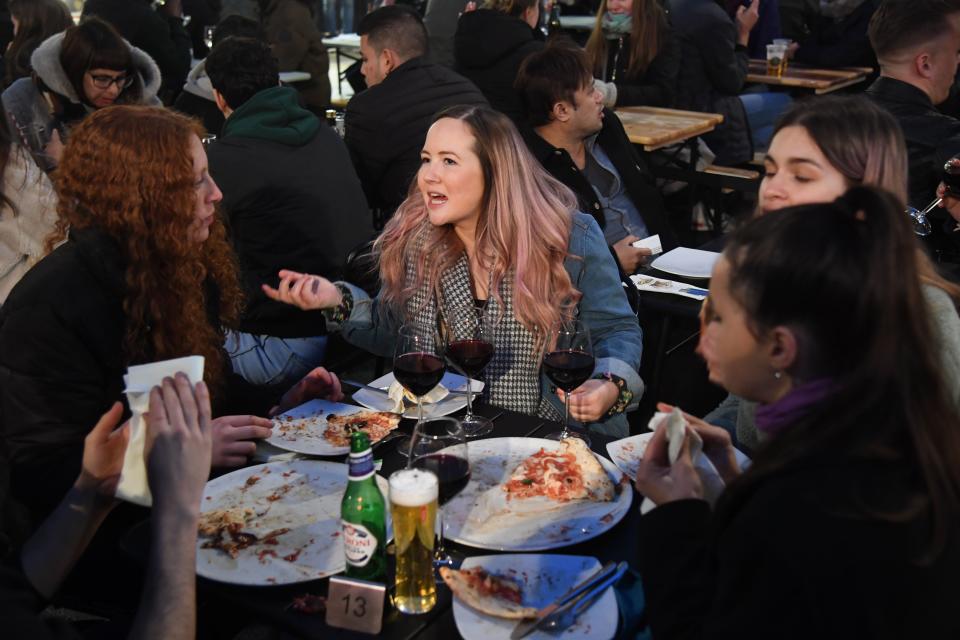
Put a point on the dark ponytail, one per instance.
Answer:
(844, 277)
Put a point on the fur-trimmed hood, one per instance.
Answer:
(46, 64)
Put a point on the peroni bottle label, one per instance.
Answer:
(359, 544)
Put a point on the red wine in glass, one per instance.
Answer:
(568, 368)
(471, 356)
(418, 372)
(453, 472)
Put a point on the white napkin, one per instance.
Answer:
(397, 392)
(677, 426)
(133, 486)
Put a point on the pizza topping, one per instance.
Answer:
(490, 585)
(554, 474)
(375, 424)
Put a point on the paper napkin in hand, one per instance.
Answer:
(677, 427)
(140, 379)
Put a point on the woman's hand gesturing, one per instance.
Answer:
(304, 290)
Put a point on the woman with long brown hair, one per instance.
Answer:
(634, 54)
(485, 224)
(820, 149)
(33, 22)
(146, 273)
(847, 523)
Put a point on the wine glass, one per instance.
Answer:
(951, 182)
(469, 350)
(440, 446)
(418, 367)
(569, 363)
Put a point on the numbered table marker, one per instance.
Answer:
(356, 605)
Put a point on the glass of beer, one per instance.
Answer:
(776, 54)
(413, 505)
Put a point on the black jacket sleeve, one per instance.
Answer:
(657, 86)
(724, 61)
(20, 607)
(168, 43)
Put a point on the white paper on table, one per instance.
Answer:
(652, 243)
(140, 379)
(677, 427)
(687, 262)
(661, 285)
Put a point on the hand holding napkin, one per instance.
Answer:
(677, 428)
(133, 486)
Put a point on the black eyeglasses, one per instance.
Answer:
(104, 82)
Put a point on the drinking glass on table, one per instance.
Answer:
(413, 506)
(440, 446)
(469, 350)
(569, 363)
(208, 35)
(418, 367)
(776, 53)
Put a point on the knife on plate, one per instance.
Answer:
(565, 616)
(525, 627)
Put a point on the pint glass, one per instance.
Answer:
(413, 504)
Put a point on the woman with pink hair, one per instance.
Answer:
(484, 222)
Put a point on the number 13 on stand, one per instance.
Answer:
(356, 605)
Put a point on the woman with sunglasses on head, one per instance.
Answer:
(847, 523)
(820, 148)
(85, 68)
(484, 222)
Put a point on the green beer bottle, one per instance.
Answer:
(363, 515)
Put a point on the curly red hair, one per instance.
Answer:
(128, 172)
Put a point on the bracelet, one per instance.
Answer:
(340, 313)
(623, 399)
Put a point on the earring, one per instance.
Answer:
(777, 374)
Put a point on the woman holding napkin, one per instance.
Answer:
(847, 524)
(146, 273)
(634, 53)
(484, 222)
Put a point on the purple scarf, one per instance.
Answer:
(773, 418)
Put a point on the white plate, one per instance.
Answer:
(543, 578)
(309, 439)
(626, 454)
(313, 545)
(294, 76)
(450, 404)
(491, 462)
(686, 262)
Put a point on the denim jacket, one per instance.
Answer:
(617, 338)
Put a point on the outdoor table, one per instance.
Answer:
(245, 605)
(578, 23)
(347, 45)
(656, 128)
(808, 78)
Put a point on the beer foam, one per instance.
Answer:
(413, 487)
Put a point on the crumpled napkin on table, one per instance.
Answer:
(140, 379)
(397, 392)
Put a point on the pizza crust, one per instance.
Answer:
(376, 424)
(464, 585)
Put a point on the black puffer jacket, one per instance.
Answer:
(713, 73)
(489, 47)
(657, 85)
(387, 124)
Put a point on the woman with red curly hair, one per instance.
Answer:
(146, 273)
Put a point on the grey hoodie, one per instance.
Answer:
(29, 115)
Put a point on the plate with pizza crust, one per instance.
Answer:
(532, 494)
(542, 579)
(322, 428)
(627, 453)
(274, 523)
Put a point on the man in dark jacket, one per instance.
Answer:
(713, 71)
(292, 200)
(489, 46)
(160, 33)
(387, 124)
(916, 42)
(586, 148)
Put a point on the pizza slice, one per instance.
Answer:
(377, 424)
(488, 593)
(571, 472)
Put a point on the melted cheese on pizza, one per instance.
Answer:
(490, 585)
(553, 474)
(376, 424)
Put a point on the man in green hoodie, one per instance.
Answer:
(292, 200)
